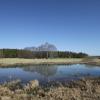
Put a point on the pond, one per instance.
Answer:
(45, 73)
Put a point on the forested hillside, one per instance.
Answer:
(20, 53)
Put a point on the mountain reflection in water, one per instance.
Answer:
(45, 73)
(45, 70)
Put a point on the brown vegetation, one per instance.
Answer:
(85, 89)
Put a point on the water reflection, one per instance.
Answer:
(45, 70)
(43, 73)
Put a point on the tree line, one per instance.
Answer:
(20, 53)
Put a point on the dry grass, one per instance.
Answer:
(91, 61)
(85, 89)
(19, 61)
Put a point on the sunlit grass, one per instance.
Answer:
(14, 61)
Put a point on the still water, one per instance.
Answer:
(45, 73)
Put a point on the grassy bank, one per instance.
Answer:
(21, 61)
(85, 89)
(18, 61)
(91, 61)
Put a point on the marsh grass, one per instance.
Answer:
(21, 61)
(91, 61)
(85, 89)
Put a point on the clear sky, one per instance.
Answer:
(69, 24)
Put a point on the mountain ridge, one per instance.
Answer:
(43, 47)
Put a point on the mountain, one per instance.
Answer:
(43, 47)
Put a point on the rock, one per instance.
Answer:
(34, 83)
(31, 85)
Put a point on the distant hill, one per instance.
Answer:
(43, 47)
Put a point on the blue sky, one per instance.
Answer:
(69, 24)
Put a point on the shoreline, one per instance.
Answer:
(6, 62)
